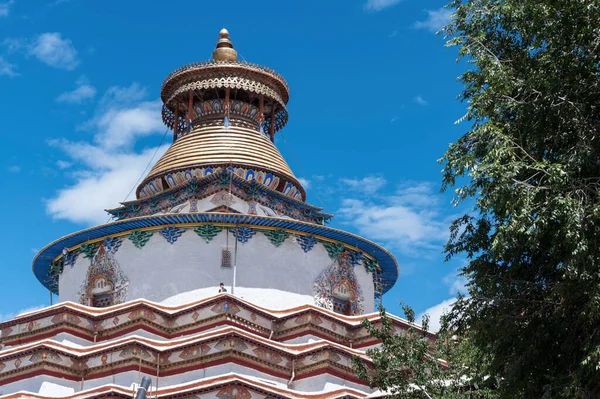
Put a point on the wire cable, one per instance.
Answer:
(288, 148)
(145, 169)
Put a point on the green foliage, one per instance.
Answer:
(408, 365)
(531, 161)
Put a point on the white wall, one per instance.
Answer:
(160, 270)
(125, 379)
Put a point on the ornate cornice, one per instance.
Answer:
(387, 269)
(208, 388)
(238, 67)
(207, 185)
(178, 356)
(170, 322)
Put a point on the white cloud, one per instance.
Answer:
(117, 96)
(436, 20)
(118, 123)
(84, 91)
(416, 195)
(435, 313)
(7, 69)
(63, 164)
(55, 51)
(121, 127)
(106, 169)
(14, 169)
(367, 185)
(305, 182)
(378, 5)
(456, 283)
(408, 220)
(50, 48)
(5, 8)
(103, 183)
(393, 34)
(11, 315)
(420, 100)
(394, 119)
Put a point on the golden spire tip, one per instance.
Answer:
(224, 50)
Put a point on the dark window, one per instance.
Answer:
(102, 300)
(341, 306)
(226, 257)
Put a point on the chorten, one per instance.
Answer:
(140, 296)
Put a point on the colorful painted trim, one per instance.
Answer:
(175, 179)
(226, 345)
(178, 321)
(230, 386)
(41, 262)
(200, 186)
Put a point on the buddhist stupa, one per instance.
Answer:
(142, 295)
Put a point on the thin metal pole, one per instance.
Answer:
(157, 372)
(176, 125)
(235, 260)
(190, 104)
(190, 109)
(272, 126)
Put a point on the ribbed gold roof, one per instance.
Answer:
(216, 145)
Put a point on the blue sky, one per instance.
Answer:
(373, 105)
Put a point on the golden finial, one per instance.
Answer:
(224, 50)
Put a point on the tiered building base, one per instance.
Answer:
(221, 347)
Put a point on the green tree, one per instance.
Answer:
(415, 364)
(531, 162)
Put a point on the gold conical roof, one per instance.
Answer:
(216, 146)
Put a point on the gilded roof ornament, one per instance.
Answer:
(224, 50)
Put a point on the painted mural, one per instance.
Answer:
(105, 283)
(177, 178)
(337, 288)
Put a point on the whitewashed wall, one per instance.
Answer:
(239, 205)
(266, 274)
(319, 383)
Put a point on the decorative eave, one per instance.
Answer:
(227, 331)
(194, 69)
(178, 356)
(44, 260)
(204, 386)
(171, 322)
(199, 188)
(224, 72)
